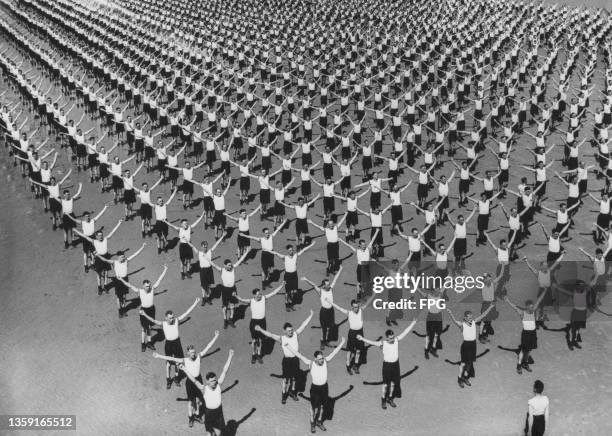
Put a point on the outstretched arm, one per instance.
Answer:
(188, 311)
(226, 366)
(335, 351)
(210, 344)
(403, 334)
(301, 328)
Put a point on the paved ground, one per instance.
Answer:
(63, 350)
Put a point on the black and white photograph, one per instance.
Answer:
(291, 217)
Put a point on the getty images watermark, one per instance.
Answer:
(400, 282)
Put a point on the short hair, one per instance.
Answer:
(190, 347)
(287, 325)
(210, 375)
(169, 312)
(256, 290)
(318, 354)
(227, 261)
(538, 386)
(389, 333)
(146, 282)
(353, 301)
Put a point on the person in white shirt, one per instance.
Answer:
(68, 218)
(207, 277)
(290, 362)
(468, 328)
(100, 244)
(529, 338)
(211, 393)
(191, 367)
(537, 411)
(161, 227)
(258, 318)
(120, 268)
(391, 367)
(53, 190)
(290, 277)
(326, 313)
(228, 288)
(301, 222)
(267, 251)
(354, 347)
(146, 295)
(172, 347)
(185, 231)
(319, 390)
(242, 240)
(333, 246)
(88, 226)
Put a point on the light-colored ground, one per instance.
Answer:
(63, 350)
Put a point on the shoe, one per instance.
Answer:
(182, 276)
(177, 380)
(284, 398)
(467, 382)
(143, 347)
(321, 426)
(526, 367)
(519, 369)
(312, 428)
(232, 324)
(65, 245)
(294, 396)
(99, 290)
(426, 354)
(151, 346)
(120, 312)
(323, 345)
(460, 382)
(203, 302)
(577, 345)
(391, 402)
(224, 323)
(383, 404)
(168, 383)
(190, 422)
(349, 370)
(356, 369)
(570, 345)
(253, 359)
(85, 268)
(434, 353)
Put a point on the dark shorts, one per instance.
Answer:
(193, 392)
(460, 247)
(267, 260)
(529, 340)
(101, 266)
(213, 418)
(174, 348)
(301, 226)
(433, 327)
(327, 317)
(468, 352)
(391, 372)
(144, 322)
(333, 250)
(161, 228)
(121, 289)
(257, 322)
(291, 280)
(352, 343)
(146, 211)
(319, 394)
(219, 218)
(228, 295)
(185, 252)
(291, 367)
(207, 276)
(67, 223)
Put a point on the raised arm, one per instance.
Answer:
(230, 355)
(210, 344)
(403, 334)
(335, 351)
(188, 311)
(301, 328)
